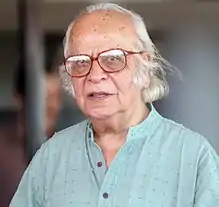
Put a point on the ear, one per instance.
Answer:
(146, 56)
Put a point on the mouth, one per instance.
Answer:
(99, 95)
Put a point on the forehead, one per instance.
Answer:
(102, 30)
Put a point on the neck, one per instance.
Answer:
(117, 126)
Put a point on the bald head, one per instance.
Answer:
(105, 20)
(105, 26)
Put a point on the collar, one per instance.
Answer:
(143, 129)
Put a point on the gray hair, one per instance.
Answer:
(154, 70)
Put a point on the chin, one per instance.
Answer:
(99, 115)
(99, 112)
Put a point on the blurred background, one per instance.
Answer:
(185, 31)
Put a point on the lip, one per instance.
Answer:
(99, 95)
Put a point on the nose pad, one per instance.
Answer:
(95, 67)
(96, 73)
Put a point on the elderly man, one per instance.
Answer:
(125, 154)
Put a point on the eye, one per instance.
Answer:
(82, 61)
(114, 58)
(78, 64)
(79, 61)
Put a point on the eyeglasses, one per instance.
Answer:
(110, 61)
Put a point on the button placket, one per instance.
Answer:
(108, 186)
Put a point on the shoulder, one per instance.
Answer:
(183, 138)
(64, 141)
(185, 143)
(61, 146)
(78, 128)
(73, 133)
(180, 132)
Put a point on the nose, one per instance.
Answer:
(97, 74)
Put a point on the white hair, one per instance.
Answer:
(152, 71)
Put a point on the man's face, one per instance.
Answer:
(92, 34)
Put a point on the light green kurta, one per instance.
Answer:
(162, 164)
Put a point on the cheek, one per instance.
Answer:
(77, 87)
(123, 83)
(126, 78)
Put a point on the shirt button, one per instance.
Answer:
(105, 195)
(99, 164)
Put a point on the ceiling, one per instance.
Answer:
(158, 14)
